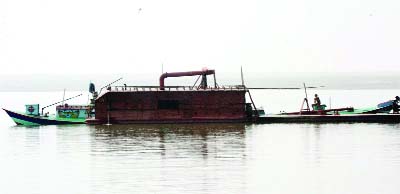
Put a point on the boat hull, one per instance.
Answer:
(350, 118)
(22, 119)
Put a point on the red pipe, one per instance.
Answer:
(180, 74)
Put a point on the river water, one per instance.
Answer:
(203, 158)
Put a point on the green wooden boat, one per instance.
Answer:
(65, 114)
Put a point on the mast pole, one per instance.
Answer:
(305, 90)
(63, 98)
(241, 75)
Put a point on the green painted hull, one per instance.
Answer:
(27, 120)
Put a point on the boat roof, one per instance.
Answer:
(71, 107)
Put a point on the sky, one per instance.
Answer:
(79, 37)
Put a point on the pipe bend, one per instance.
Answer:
(181, 74)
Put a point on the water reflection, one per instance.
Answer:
(153, 129)
(170, 158)
(174, 140)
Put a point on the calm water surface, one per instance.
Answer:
(223, 158)
(202, 158)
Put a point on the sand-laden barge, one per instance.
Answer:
(173, 104)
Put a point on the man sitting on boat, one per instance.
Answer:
(317, 103)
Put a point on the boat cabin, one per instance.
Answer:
(72, 111)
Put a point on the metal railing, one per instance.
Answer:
(171, 88)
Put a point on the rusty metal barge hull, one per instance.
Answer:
(173, 104)
(206, 106)
(177, 121)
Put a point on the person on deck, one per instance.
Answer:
(396, 105)
(317, 101)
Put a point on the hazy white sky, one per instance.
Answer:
(100, 36)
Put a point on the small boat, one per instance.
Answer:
(65, 114)
(378, 114)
